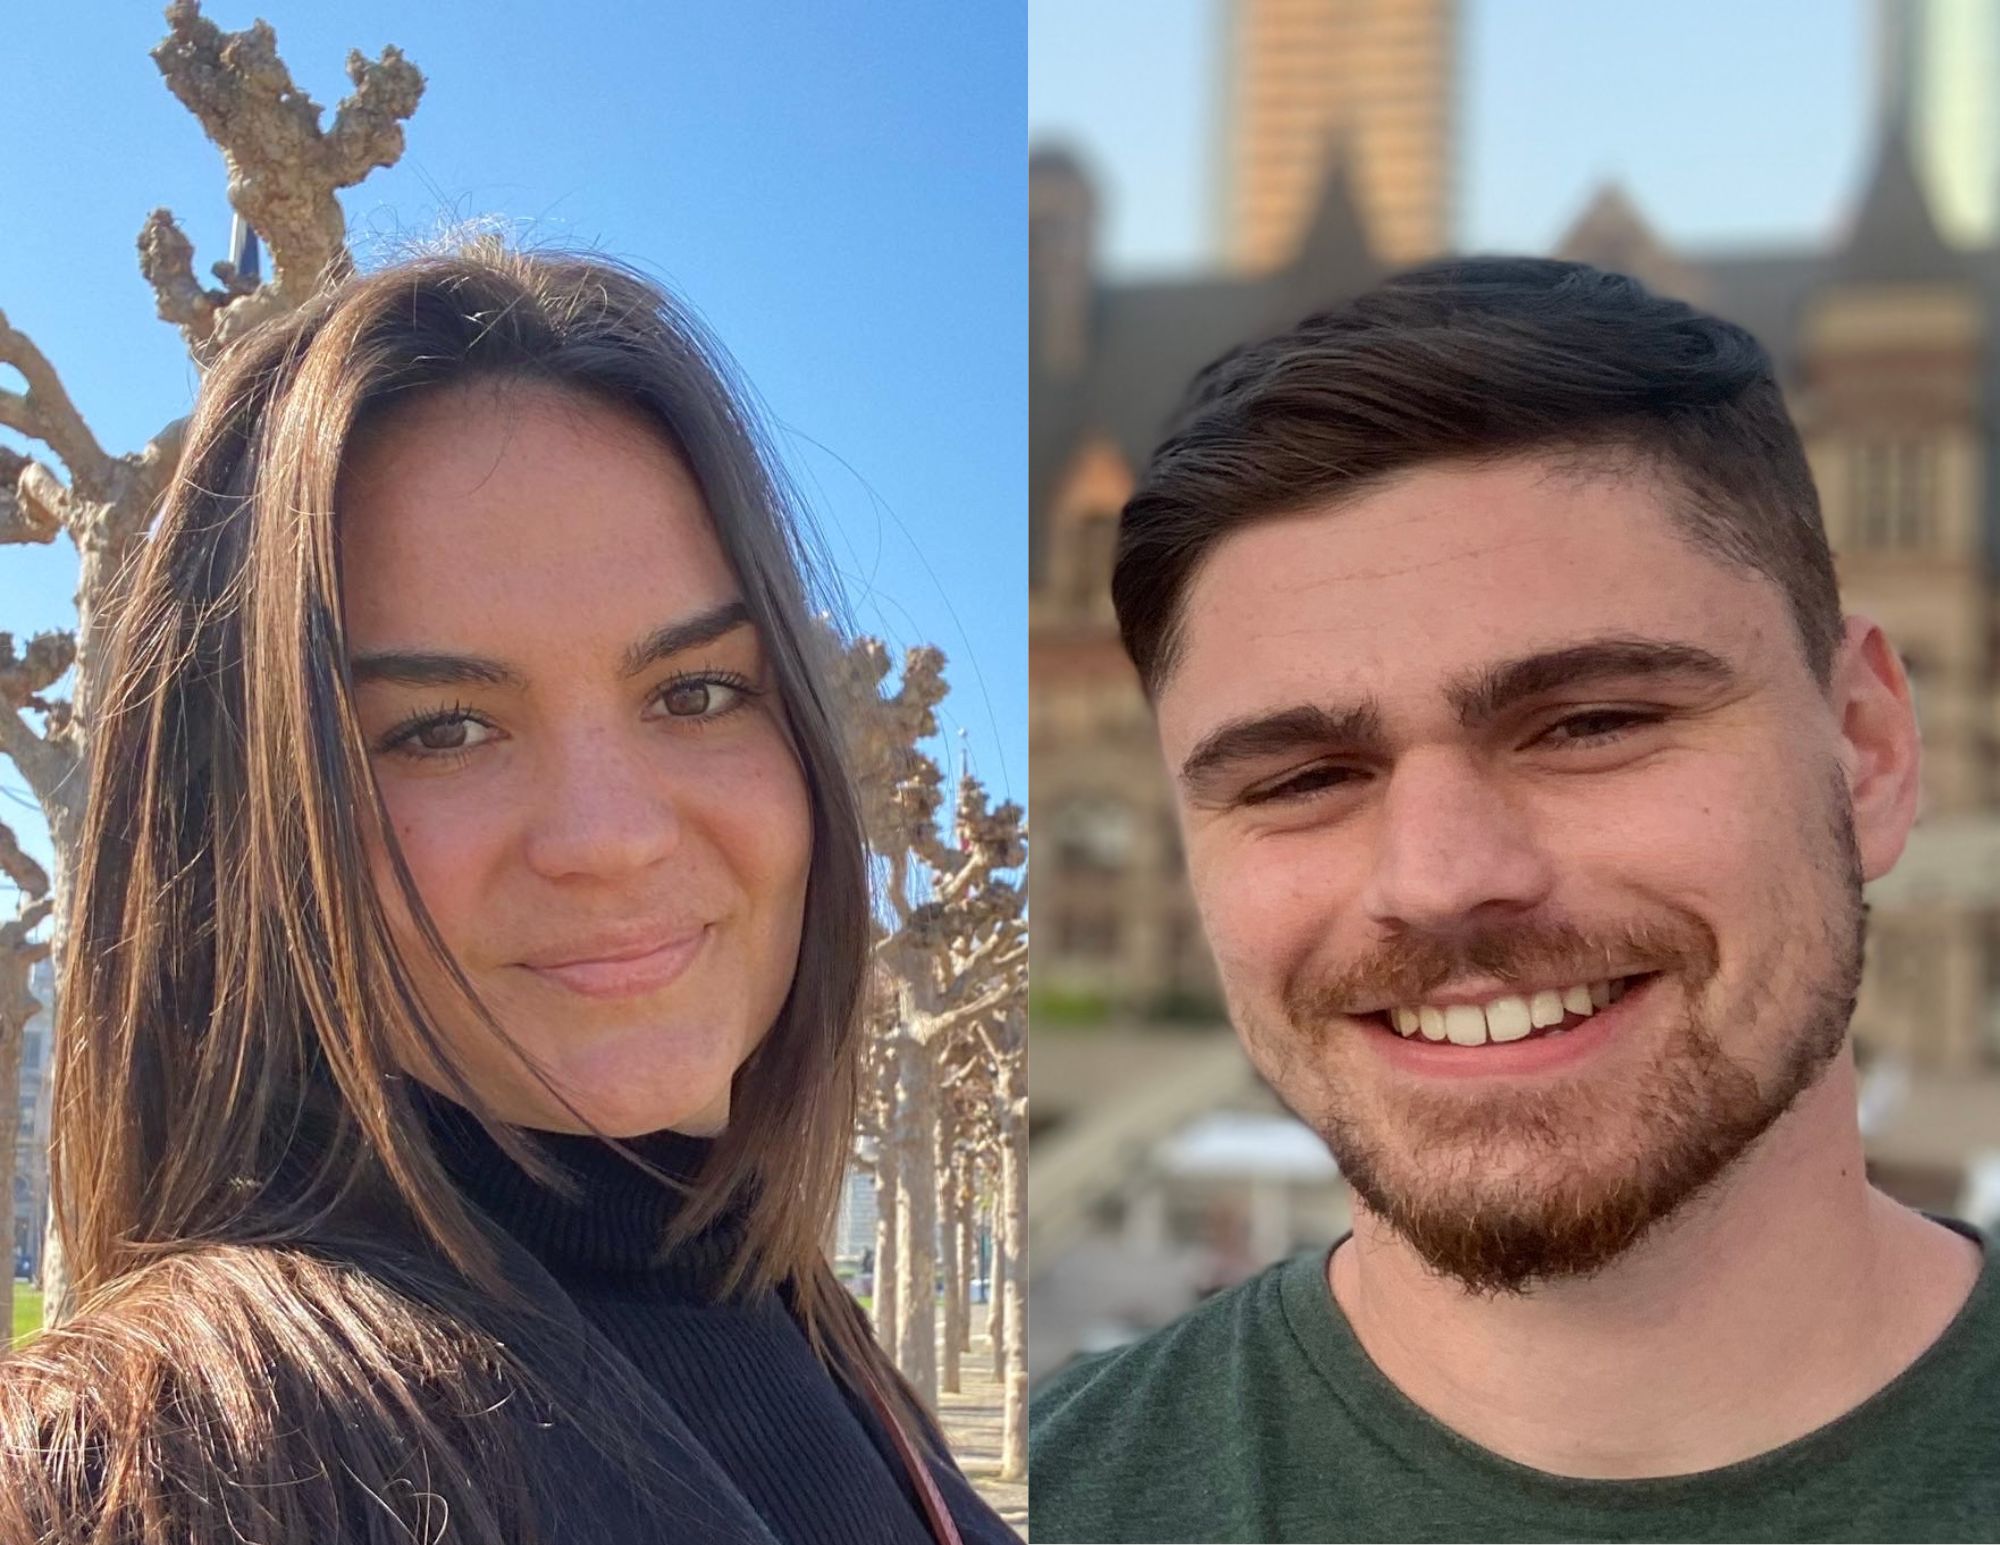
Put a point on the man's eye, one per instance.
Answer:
(1300, 785)
(1597, 726)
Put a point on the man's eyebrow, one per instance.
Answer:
(1357, 730)
(418, 668)
(1492, 691)
(1484, 696)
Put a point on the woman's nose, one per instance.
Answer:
(603, 805)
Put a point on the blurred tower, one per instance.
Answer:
(1939, 62)
(1376, 77)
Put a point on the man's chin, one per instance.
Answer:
(1518, 1188)
(1510, 1239)
(1509, 1212)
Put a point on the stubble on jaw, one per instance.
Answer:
(1499, 1191)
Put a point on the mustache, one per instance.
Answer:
(1411, 966)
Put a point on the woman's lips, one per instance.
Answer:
(626, 978)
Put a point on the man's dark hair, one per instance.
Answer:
(1474, 359)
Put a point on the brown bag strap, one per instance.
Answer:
(944, 1529)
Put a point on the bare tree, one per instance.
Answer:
(952, 934)
(284, 173)
(950, 956)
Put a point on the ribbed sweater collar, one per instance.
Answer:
(615, 1230)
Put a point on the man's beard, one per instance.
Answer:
(1504, 1188)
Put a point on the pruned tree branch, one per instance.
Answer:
(46, 763)
(166, 258)
(41, 504)
(18, 866)
(49, 655)
(44, 412)
(22, 952)
(153, 468)
(32, 502)
(284, 171)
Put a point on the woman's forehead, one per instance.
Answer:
(528, 507)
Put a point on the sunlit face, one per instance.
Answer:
(578, 739)
(1523, 836)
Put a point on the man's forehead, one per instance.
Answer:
(1450, 571)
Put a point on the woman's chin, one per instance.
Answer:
(690, 1097)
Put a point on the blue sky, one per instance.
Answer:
(1732, 124)
(838, 188)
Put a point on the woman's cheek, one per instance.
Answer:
(443, 841)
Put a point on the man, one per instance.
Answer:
(1529, 776)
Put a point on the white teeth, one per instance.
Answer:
(1507, 1019)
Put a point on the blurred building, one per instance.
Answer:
(854, 1220)
(31, 1135)
(1373, 78)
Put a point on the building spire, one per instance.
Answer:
(1894, 239)
(1335, 247)
(1613, 234)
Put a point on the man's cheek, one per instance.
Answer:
(1258, 917)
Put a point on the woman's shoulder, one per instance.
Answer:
(270, 1383)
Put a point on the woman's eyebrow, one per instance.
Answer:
(428, 668)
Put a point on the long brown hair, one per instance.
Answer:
(230, 1128)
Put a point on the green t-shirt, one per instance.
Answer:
(1258, 1417)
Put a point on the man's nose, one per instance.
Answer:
(604, 804)
(1451, 847)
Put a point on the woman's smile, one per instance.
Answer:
(630, 975)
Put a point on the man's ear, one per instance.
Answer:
(1880, 751)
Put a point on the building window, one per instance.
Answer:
(1093, 835)
(1892, 496)
(1084, 935)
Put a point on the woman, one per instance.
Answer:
(466, 953)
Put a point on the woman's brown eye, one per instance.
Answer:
(688, 699)
(452, 733)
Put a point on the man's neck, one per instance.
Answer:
(1775, 1303)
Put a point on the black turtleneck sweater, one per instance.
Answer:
(814, 1463)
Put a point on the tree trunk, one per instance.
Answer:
(885, 1245)
(993, 1299)
(915, 1141)
(954, 1303)
(1011, 1236)
(12, 1034)
(968, 1248)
